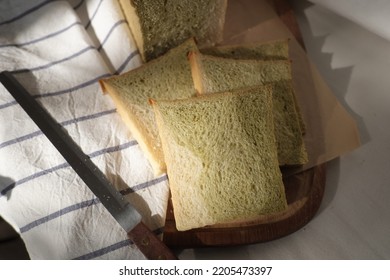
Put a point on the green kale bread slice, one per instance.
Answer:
(272, 50)
(168, 77)
(221, 157)
(214, 74)
(159, 25)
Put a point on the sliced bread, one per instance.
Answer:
(273, 50)
(167, 77)
(221, 157)
(159, 25)
(213, 74)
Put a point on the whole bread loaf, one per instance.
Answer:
(214, 74)
(221, 156)
(167, 77)
(159, 25)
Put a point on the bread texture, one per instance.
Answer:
(159, 25)
(272, 50)
(221, 157)
(213, 74)
(290, 145)
(168, 77)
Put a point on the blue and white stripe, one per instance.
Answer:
(59, 50)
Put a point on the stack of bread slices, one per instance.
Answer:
(220, 122)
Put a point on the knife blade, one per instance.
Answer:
(122, 211)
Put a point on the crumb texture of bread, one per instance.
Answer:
(221, 157)
(214, 74)
(159, 25)
(222, 74)
(168, 77)
(273, 50)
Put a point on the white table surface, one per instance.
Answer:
(353, 221)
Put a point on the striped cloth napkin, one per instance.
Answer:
(59, 50)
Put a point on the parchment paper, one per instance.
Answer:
(330, 130)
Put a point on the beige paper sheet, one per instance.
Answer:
(330, 130)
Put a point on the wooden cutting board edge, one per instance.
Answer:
(306, 191)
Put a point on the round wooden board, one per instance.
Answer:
(304, 192)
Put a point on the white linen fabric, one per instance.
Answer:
(59, 50)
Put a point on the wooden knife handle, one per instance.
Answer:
(149, 244)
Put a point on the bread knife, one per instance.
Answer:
(122, 211)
